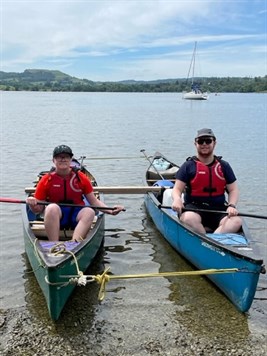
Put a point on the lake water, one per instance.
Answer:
(119, 125)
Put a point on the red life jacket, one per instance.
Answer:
(67, 189)
(209, 181)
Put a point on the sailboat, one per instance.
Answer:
(196, 92)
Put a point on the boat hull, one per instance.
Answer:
(46, 274)
(239, 287)
(195, 96)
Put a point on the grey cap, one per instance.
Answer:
(205, 132)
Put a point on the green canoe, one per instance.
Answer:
(58, 265)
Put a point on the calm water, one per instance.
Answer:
(120, 125)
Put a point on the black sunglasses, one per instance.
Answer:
(208, 141)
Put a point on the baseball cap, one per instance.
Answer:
(62, 149)
(205, 132)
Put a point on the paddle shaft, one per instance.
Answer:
(112, 158)
(144, 153)
(218, 212)
(18, 201)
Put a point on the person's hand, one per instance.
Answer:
(178, 205)
(232, 211)
(34, 206)
(117, 209)
(31, 201)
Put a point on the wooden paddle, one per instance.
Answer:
(40, 202)
(217, 212)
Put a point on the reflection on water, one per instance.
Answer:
(201, 307)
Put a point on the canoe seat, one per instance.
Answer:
(38, 229)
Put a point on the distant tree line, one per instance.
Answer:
(47, 80)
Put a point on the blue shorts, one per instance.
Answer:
(69, 216)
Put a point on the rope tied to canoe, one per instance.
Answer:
(80, 279)
(104, 278)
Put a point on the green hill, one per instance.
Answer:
(54, 80)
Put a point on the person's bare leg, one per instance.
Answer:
(52, 221)
(228, 225)
(194, 221)
(85, 218)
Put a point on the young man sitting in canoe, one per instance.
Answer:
(65, 185)
(204, 179)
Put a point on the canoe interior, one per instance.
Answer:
(160, 168)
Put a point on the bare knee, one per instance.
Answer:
(190, 218)
(193, 220)
(236, 223)
(229, 225)
(53, 210)
(86, 215)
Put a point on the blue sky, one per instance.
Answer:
(135, 39)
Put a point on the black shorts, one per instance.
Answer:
(210, 220)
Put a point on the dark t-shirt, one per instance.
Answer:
(187, 172)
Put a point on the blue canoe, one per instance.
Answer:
(210, 251)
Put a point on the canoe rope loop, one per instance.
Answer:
(80, 279)
(102, 279)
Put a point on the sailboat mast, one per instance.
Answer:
(194, 59)
(192, 64)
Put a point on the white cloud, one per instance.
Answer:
(65, 33)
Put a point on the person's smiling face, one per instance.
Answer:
(205, 145)
(62, 161)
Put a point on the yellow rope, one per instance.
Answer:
(104, 278)
(57, 249)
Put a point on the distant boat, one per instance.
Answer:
(196, 92)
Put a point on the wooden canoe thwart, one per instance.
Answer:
(116, 190)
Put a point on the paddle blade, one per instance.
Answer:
(11, 200)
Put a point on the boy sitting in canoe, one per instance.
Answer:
(66, 185)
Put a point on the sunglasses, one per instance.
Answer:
(208, 141)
